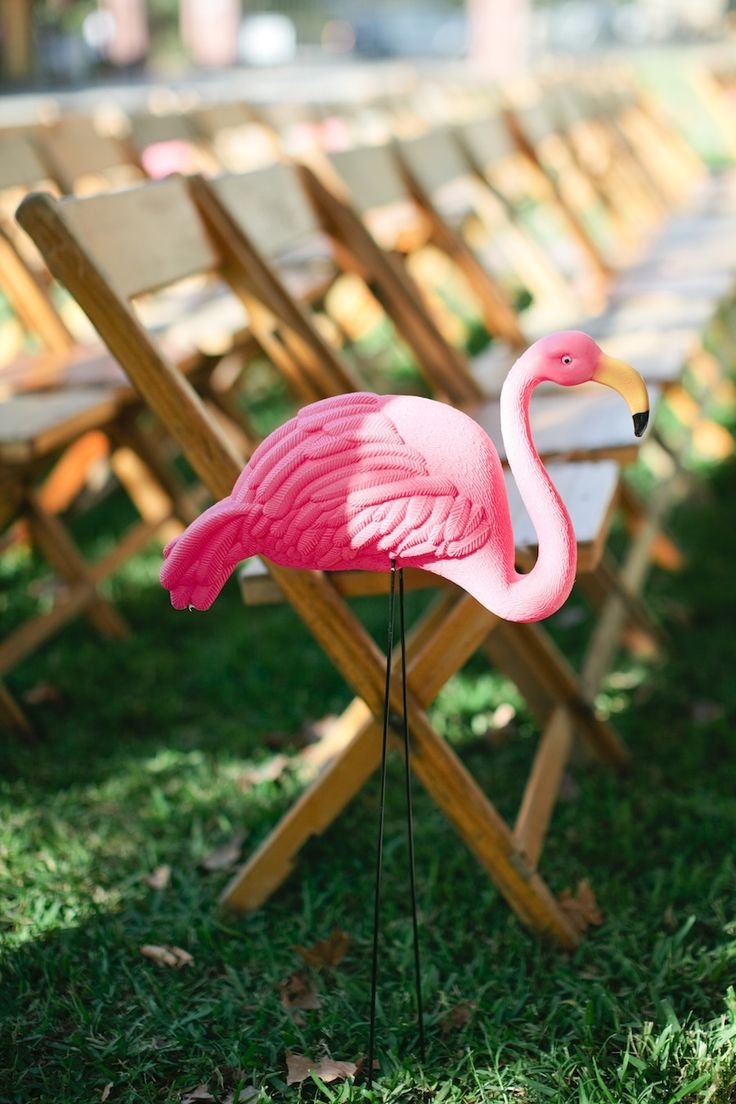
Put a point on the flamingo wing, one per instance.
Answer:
(337, 486)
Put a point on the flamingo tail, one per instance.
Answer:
(199, 562)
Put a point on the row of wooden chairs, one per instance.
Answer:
(258, 232)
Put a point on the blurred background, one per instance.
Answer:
(49, 44)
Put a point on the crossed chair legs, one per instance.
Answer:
(440, 643)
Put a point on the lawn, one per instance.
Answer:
(158, 749)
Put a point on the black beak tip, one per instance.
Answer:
(641, 422)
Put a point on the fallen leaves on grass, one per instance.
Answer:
(269, 771)
(167, 955)
(200, 1093)
(298, 992)
(581, 907)
(299, 1068)
(456, 1018)
(106, 1091)
(243, 1096)
(160, 877)
(326, 952)
(226, 855)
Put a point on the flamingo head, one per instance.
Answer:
(571, 357)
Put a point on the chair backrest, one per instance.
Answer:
(264, 222)
(169, 143)
(371, 177)
(22, 164)
(271, 208)
(436, 159)
(106, 250)
(143, 238)
(82, 159)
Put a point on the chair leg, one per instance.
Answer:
(607, 633)
(442, 774)
(543, 784)
(355, 752)
(600, 584)
(663, 550)
(12, 716)
(61, 553)
(536, 662)
(148, 449)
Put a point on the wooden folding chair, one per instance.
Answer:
(47, 442)
(105, 281)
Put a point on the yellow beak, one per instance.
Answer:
(629, 384)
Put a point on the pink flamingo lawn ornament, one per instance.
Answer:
(379, 483)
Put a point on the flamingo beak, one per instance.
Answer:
(629, 384)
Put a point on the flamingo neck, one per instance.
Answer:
(545, 588)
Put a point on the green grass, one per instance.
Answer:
(142, 763)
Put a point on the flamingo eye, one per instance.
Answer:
(567, 359)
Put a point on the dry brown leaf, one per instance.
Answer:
(269, 771)
(201, 1092)
(361, 1067)
(326, 952)
(298, 992)
(167, 955)
(160, 877)
(581, 908)
(299, 1068)
(247, 1095)
(226, 855)
(456, 1018)
(106, 1091)
(42, 693)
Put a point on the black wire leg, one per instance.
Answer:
(381, 817)
(410, 821)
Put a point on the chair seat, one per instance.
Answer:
(191, 320)
(658, 357)
(32, 426)
(82, 366)
(589, 491)
(586, 422)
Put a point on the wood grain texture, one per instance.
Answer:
(143, 238)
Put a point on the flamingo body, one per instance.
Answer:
(360, 480)
(354, 481)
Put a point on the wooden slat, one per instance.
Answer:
(434, 158)
(371, 176)
(21, 164)
(147, 128)
(74, 149)
(488, 140)
(270, 206)
(33, 425)
(586, 422)
(170, 240)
